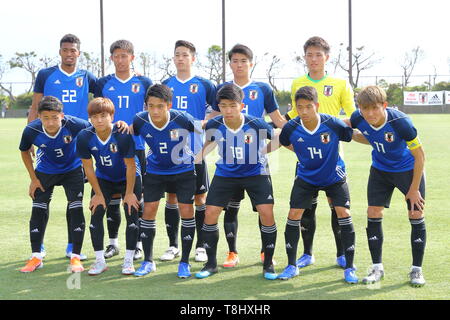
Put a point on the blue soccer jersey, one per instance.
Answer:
(55, 154)
(194, 96)
(72, 89)
(240, 150)
(127, 96)
(108, 154)
(259, 99)
(389, 141)
(318, 151)
(170, 151)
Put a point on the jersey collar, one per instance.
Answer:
(315, 129)
(184, 81)
(124, 81)
(244, 86)
(107, 139)
(382, 126)
(316, 81)
(67, 74)
(238, 129)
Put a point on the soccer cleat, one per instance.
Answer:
(170, 254)
(269, 273)
(75, 265)
(350, 276)
(375, 275)
(289, 272)
(200, 255)
(262, 259)
(69, 252)
(111, 251)
(97, 267)
(305, 260)
(416, 278)
(137, 254)
(184, 270)
(206, 272)
(232, 260)
(340, 261)
(32, 264)
(145, 268)
(43, 252)
(128, 267)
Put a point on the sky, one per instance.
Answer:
(388, 28)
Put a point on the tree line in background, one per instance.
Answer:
(159, 68)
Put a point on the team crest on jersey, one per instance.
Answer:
(67, 139)
(253, 94)
(389, 136)
(113, 147)
(325, 137)
(327, 91)
(174, 135)
(135, 87)
(193, 88)
(79, 82)
(248, 138)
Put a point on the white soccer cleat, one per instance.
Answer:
(375, 275)
(170, 254)
(97, 267)
(128, 267)
(416, 278)
(200, 255)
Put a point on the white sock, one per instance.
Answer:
(416, 268)
(378, 266)
(129, 254)
(73, 255)
(37, 255)
(100, 255)
(114, 242)
(139, 245)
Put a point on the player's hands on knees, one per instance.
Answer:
(131, 200)
(34, 185)
(123, 127)
(97, 200)
(416, 201)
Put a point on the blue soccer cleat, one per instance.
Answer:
(289, 272)
(145, 268)
(350, 276)
(43, 252)
(305, 260)
(340, 261)
(206, 272)
(269, 273)
(184, 270)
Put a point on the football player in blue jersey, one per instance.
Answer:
(242, 167)
(170, 165)
(71, 86)
(117, 171)
(191, 94)
(127, 92)
(315, 139)
(259, 100)
(397, 162)
(54, 134)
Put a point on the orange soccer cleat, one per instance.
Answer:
(232, 260)
(75, 265)
(32, 264)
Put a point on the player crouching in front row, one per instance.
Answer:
(117, 172)
(244, 168)
(315, 138)
(56, 164)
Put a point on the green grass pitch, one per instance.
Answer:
(323, 280)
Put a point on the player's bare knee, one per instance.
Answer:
(171, 198)
(186, 210)
(200, 199)
(342, 212)
(375, 212)
(295, 214)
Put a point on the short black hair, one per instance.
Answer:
(187, 44)
(230, 92)
(242, 49)
(50, 103)
(122, 44)
(317, 42)
(70, 38)
(160, 91)
(307, 93)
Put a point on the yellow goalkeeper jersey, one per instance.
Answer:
(333, 93)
